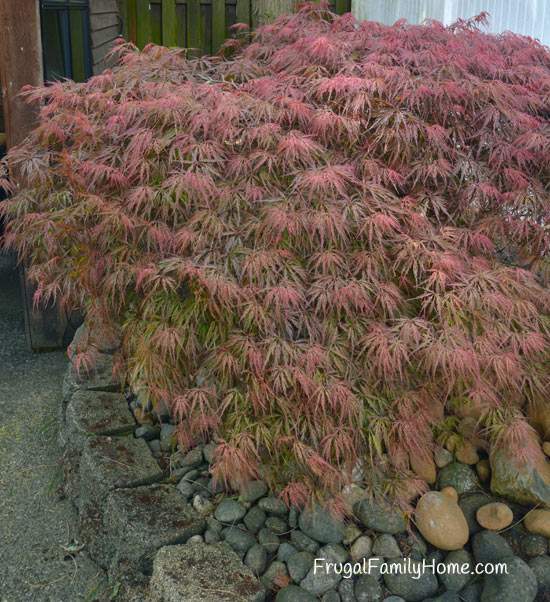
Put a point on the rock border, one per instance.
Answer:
(160, 526)
(130, 519)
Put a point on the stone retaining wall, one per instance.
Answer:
(131, 522)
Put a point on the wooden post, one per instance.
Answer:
(21, 64)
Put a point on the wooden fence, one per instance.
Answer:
(199, 24)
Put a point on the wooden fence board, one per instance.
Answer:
(342, 6)
(194, 22)
(218, 24)
(143, 20)
(243, 11)
(169, 23)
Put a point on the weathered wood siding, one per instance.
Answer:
(105, 27)
(527, 17)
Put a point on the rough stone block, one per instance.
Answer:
(95, 413)
(198, 572)
(107, 463)
(113, 462)
(139, 521)
(99, 377)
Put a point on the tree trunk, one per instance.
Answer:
(265, 11)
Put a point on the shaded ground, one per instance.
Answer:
(35, 525)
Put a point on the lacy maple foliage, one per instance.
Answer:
(323, 246)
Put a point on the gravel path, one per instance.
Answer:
(35, 525)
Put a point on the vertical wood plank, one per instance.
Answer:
(131, 9)
(143, 22)
(125, 17)
(243, 11)
(218, 24)
(169, 23)
(78, 41)
(194, 38)
(342, 6)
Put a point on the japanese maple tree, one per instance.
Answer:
(323, 246)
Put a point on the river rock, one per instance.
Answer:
(454, 581)
(403, 582)
(351, 533)
(192, 458)
(528, 485)
(319, 524)
(254, 519)
(450, 492)
(538, 522)
(321, 578)
(442, 457)
(470, 504)
(361, 548)
(367, 589)
(256, 558)
(277, 525)
(345, 589)
(167, 437)
(285, 551)
(303, 542)
(541, 569)
(472, 592)
(495, 516)
(230, 511)
(441, 521)
(273, 505)
(424, 467)
(299, 564)
(489, 546)
(269, 540)
(239, 539)
(380, 517)
(253, 491)
(275, 575)
(386, 546)
(460, 476)
(534, 545)
(293, 593)
(467, 453)
(520, 583)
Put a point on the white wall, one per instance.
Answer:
(528, 17)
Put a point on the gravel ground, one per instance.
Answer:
(36, 526)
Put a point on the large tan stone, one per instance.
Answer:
(424, 467)
(494, 516)
(466, 453)
(440, 520)
(538, 521)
